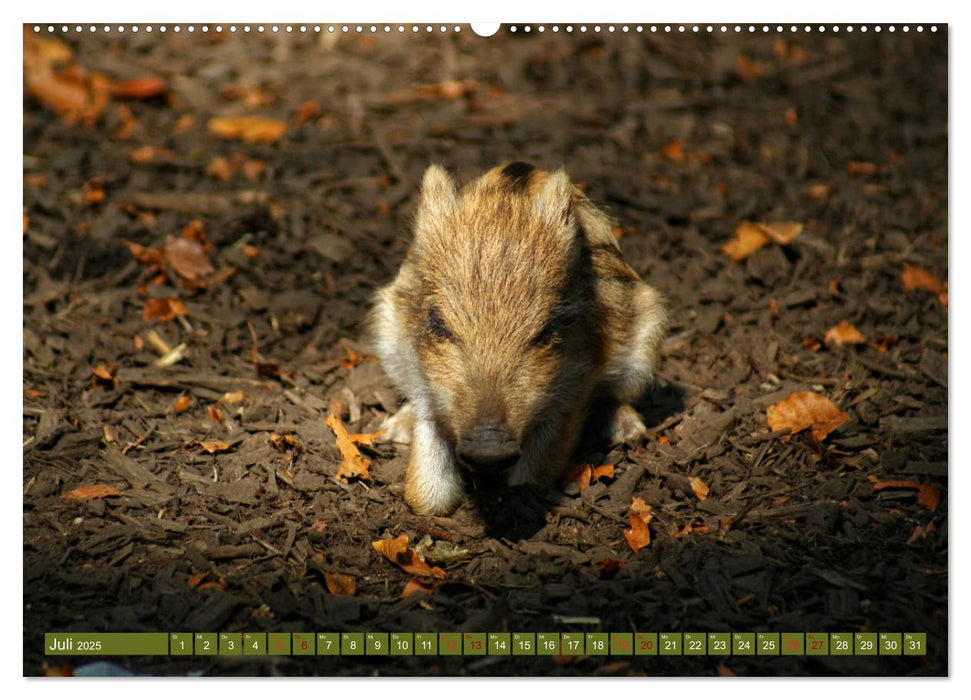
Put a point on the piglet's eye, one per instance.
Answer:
(436, 325)
(548, 335)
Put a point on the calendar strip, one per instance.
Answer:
(539, 644)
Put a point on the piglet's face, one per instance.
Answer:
(503, 315)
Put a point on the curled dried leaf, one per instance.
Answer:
(804, 410)
(90, 492)
(398, 552)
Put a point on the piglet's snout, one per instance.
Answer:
(488, 448)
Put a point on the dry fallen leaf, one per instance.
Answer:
(673, 151)
(87, 493)
(916, 277)
(844, 334)
(747, 69)
(220, 168)
(748, 239)
(804, 410)
(855, 167)
(415, 586)
(305, 112)
(181, 404)
(927, 495)
(365, 438)
(354, 465)
(164, 309)
(398, 552)
(354, 358)
(249, 129)
(699, 487)
(782, 232)
(143, 88)
(340, 584)
(187, 258)
(921, 531)
(214, 446)
(104, 376)
(608, 567)
(638, 536)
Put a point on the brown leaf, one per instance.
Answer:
(340, 584)
(94, 190)
(353, 358)
(164, 309)
(608, 567)
(146, 154)
(819, 191)
(782, 232)
(249, 129)
(220, 168)
(673, 151)
(104, 376)
(90, 492)
(214, 446)
(181, 404)
(927, 495)
(214, 414)
(187, 258)
(254, 170)
(804, 410)
(844, 334)
(251, 251)
(916, 277)
(415, 586)
(747, 69)
(921, 531)
(398, 552)
(305, 112)
(749, 238)
(580, 475)
(286, 442)
(354, 465)
(699, 487)
(143, 88)
(638, 536)
(855, 167)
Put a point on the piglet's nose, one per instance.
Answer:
(488, 447)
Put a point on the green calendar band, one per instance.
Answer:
(537, 644)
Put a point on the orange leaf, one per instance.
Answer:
(163, 309)
(804, 410)
(415, 586)
(146, 256)
(364, 438)
(249, 129)
(340, 584)
(855, 167)
(782, 232)
(87, 493)
(604, 471)
(306, 111)
(142, 88)
(579, 475)
(638, 536)
(916, 277)
(398, 552)
(673, 151)
(214, 414)
(354, 358)
(608, 566)
(213, 446)
(747, 69)
(699, 487)
(844, 334)
(354, 465)
(748, 239)
(181, 404)
(146, 154)
(220, 168)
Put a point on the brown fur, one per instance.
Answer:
(514, 307)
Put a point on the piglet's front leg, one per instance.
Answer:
(433, 485)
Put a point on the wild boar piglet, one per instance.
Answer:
(512, 315)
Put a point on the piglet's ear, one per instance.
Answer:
(438, 194)
(555, 199)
